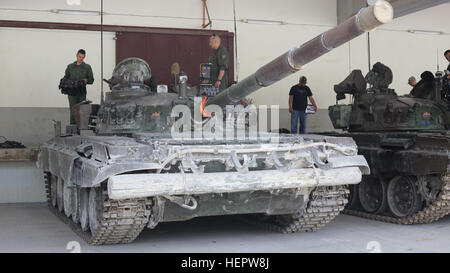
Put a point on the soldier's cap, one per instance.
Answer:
(303, 79)
(411, 79)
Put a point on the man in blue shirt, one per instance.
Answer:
(298, 103)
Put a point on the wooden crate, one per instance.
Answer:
(20, 154)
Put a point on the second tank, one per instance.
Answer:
(406, 142)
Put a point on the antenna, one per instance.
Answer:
(437, 58)
(235, 43)
(368, 49)
(369, 3)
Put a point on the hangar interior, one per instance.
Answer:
(38, 39)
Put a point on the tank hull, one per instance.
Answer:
(415, 163)
(162, 180)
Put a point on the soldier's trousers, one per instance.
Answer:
(72, 101)
(297, 116)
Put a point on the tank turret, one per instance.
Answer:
(379, 108)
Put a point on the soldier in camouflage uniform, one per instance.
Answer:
(219, 59)
(78, 70)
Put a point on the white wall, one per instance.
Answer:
(22, 49)
(34, 60)
(407, 54)
(21, 182)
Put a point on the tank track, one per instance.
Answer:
(436, 210)
(121, 222)
(324, 204)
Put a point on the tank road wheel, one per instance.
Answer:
(84, 211)
(53, 186)
(76, 205)
(372, 195)
(95, 217)
(95, 208)
(404, 198)
(60, 194)
(68, 199)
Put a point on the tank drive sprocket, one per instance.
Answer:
(435, 210)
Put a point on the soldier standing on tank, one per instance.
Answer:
(219, 59)
(298, 96)
(78, 70)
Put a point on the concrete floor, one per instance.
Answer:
(33, 228)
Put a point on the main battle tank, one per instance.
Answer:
(406, 142)
(134, 164)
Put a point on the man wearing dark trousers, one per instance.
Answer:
(78, 70)
(297, 105)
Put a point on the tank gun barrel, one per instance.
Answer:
(292, 61)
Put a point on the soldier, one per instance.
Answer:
(78, 70)
(219, 59)
(297, 105)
